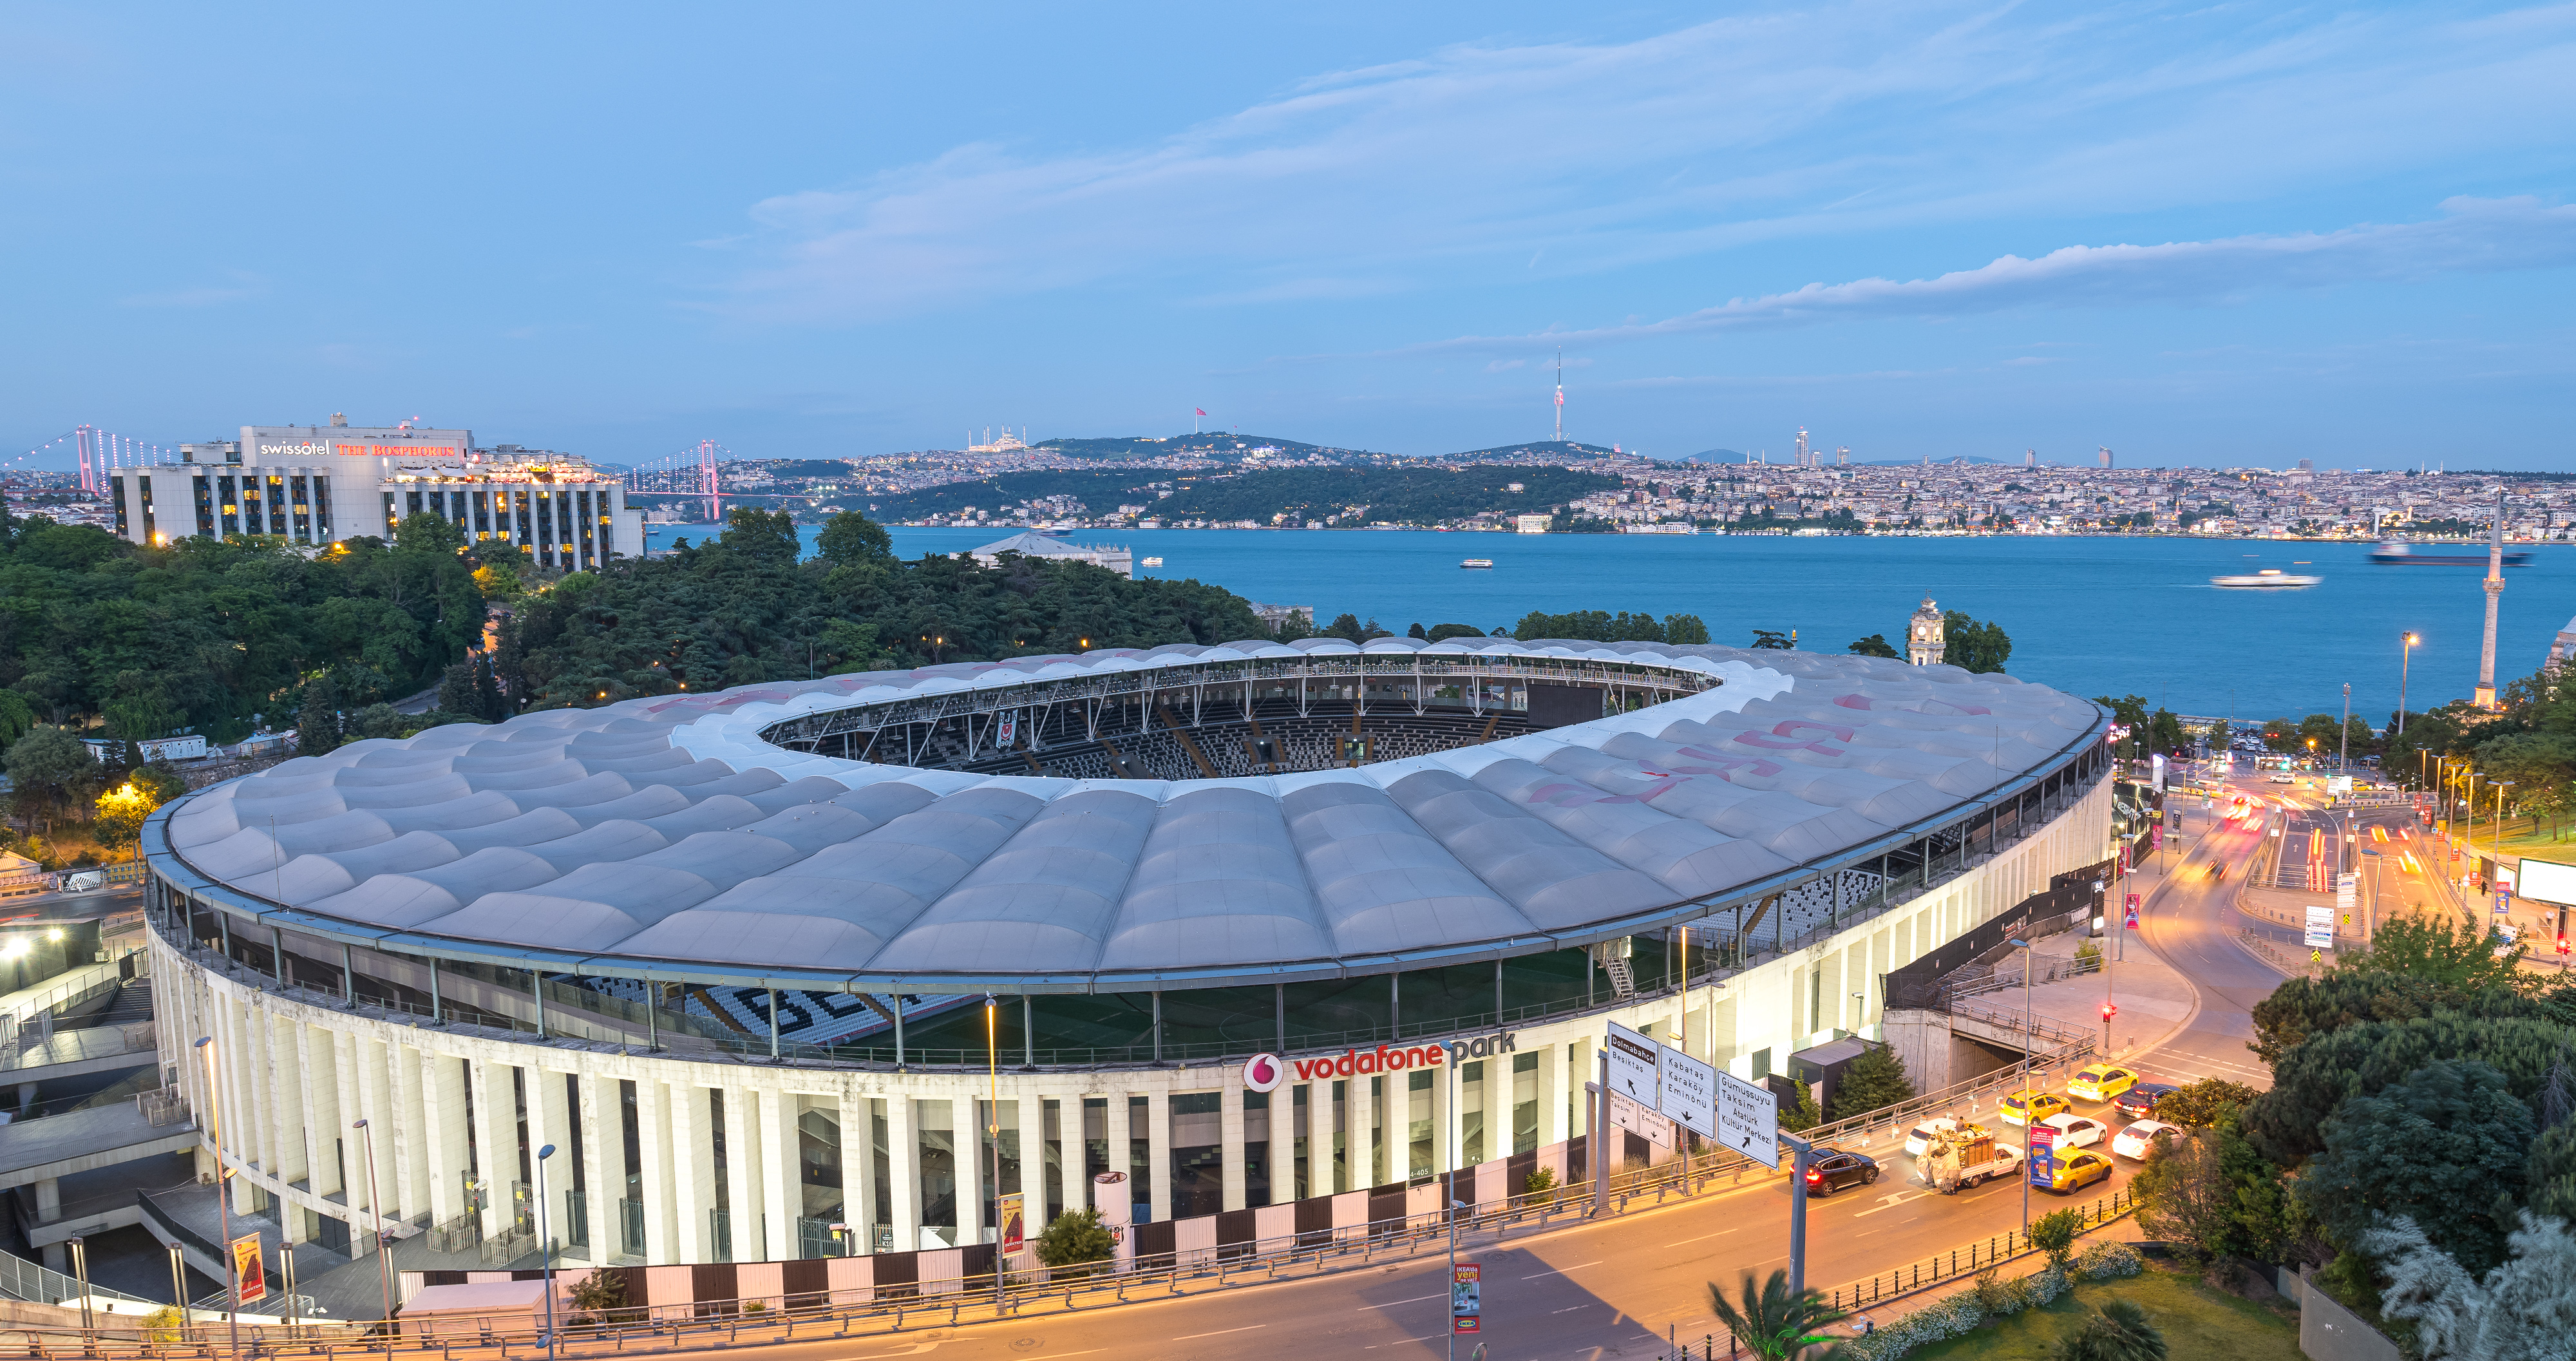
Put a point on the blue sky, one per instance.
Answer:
(2194, 233)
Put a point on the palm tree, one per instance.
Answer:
(2118, 1331)
(1776, 1323)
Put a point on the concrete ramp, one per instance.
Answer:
(54, 1146)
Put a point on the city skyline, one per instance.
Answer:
(2196, 238)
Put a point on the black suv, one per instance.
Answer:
(2139, 1102)
(1833, 1169)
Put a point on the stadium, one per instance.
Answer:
(824, 969)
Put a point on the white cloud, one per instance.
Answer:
(1489, 162)
(2471, 235)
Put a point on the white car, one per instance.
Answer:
(2077, 1131)
(2134, 1142)
(2280, 779)
(1920, 1137)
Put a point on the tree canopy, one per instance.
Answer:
(1973, 646)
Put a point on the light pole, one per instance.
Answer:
(993, 1110)
(2343, 754)
(2405, 655)
(80, 1272)
(2028, 1097)
(546, 1244)
(375, 1207)
(179, 1287)
(223, 1190)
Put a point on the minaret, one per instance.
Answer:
(2486, 696)
(1925, 644)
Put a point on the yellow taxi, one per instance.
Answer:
(2101, 1082)
(2020, 1108)
(2074, 1171)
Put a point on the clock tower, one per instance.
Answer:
(1924, 645)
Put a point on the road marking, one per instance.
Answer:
(1402, 1340)
(1392, 1303)
(1222, 1332)
(1558, 1271)
(1890, 1202)
(1569, 1309)
(1702, 1238)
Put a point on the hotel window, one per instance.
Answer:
(303, 507)
(276, 504)
(227, 500)
(322, 509)
(205, 508)
(143, 493)
(119, 484)
(527, 530)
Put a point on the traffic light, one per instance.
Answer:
(2109, 1011)
(2562, 945)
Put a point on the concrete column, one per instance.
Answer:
(319, 1129)
(603, 1162)
(1230, 1153)
(1445, 1129)
(241, 1077)
(903, 1165)
(974, 1165)
(1077, 1180)
(746, 1146)
(549, 1122)
(858, 1167)
(49, 1200)
(1283, 1143)
(345, 1051)
(781, 1181)
(1158, 1153)
(1031, 1119)
(1119, 1137)
(365, 1076)
(403, 1147)
(442, 1100)
(693, 1167)
(496, 1141)
(1359, 1109)
(660, 1188)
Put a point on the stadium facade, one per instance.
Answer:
(1252, 924)
(326, 484)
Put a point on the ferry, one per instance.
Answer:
(2399, 553)
(2269, 579)
(1153, 562)
(1478, 564)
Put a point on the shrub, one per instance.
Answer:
(1075, 1239)
(1540, 1185)
(1952, 1316)
(2105, 1260)
(2054, 1234)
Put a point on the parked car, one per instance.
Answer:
(2100, 1082)
(2139, 1102)
(2077, 1131)
(2078, 1170)
(2135, 1142)
(1921, 1136)
(2021, 1108)
(1833, 1169)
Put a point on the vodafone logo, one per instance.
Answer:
(1263, 1072)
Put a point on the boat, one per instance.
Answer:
(2269, 579)
(1153, 562)
(2399, 553)
(1478, 564)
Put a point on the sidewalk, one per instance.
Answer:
(2155, 1001)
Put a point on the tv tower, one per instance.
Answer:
(1560, 396)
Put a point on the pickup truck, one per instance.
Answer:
(1955, 1161)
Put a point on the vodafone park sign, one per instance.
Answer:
(1264, 1072)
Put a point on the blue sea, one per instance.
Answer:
(2088, 615)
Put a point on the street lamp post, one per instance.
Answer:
(375, 1207)
(546, 1244)
(2343, 754)
(993, 1108)
(2405, 656)
(2027, 1040)
(223, 1192)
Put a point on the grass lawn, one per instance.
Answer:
(2196, 1320)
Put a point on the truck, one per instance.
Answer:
(1955, 1160)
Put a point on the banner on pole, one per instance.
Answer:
(2129, 913)
(1014, 1224)
(1466, 1298)
(247, 1271)
(2042, 1150)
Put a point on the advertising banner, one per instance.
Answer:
(2547, 881)
(1466, 1298)
(1014, 1225)
(2043, 1155)
(247, 1268)
(2129, 914)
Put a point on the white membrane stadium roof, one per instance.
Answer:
(665, 830)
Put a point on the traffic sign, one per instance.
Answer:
(2321, 928)
(1748, 1120)
(1688, 1090)
(1641, 1121)
(1632, 1065)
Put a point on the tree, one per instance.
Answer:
(2343, 996)
(16, 716)
(2118, 1331)
(1803, 1115)
(1685, 630)
(2054, 1233)
(1875, 1081)
(599, 1297)
(1776, 1323)
(1347, 626)
(121, 812)
(851, 540)
(2202, 1104)
(2525, 1307)
(49, 768)
(2441, 952)
(1875, 645)
(1972, 646)
(2313, 1080)
(1441, 633)
(2442, 1148)
(2211, 1195)
(456, 691)
(1769, 641)
(1416, 632)
(1073, 1239)
(317, 717)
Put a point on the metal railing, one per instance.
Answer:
(1950, 1266)
(24, 1280)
